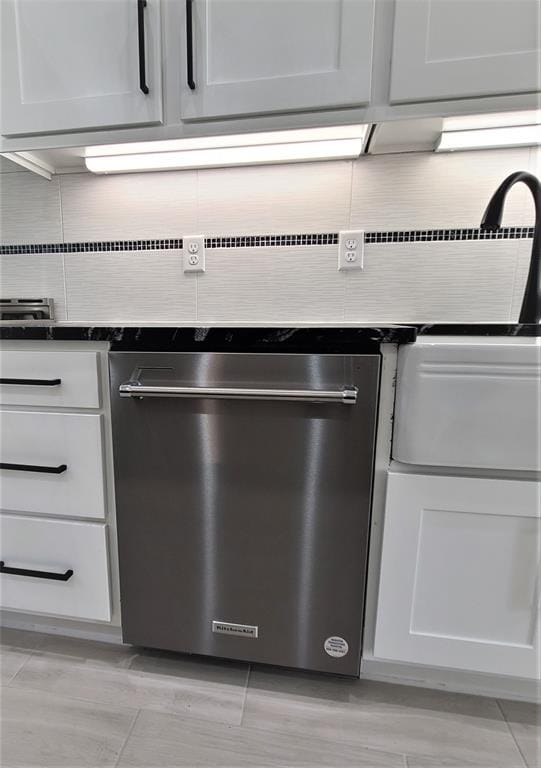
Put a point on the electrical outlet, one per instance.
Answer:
(351, 250)
(194, 253)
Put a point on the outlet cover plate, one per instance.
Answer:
(351, 250)
(193, 253)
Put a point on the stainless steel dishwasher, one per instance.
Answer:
(243, 489)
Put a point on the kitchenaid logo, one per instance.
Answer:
(240, 630)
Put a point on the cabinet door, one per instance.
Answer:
(74, 64)
(459, 574)
(444, 49)
(258, 56)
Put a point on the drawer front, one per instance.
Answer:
(55, 547)
(469, 404)
(55, 463)
(62, 379)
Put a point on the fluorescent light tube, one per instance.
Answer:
(292, 136)
(492, 120)
(485, 138)
(220, 151)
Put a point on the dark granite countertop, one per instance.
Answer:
(325, 339)
(352, 339)
(480, 329)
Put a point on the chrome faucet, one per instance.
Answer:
(531, 304)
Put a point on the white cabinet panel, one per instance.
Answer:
(65, 379)
(52, 440)
(278, 55)
(459, 574)
(444, 49)
(74, 64)
(55, 546)
(459, 593)
(469, 403)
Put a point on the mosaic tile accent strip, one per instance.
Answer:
(266, 241)
(106, 245)
(436, 235)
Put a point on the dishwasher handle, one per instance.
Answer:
(347, 395)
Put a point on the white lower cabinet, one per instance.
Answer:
(54, 471)
(459, 574)
(54, 548)
(53, 378)
(52, 463)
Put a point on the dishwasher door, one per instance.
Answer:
(243, 490)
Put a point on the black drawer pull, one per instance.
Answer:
(35, 468)
(141, 5)
(36, 574)
(33, 382)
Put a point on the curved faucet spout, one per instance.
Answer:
(531, 304)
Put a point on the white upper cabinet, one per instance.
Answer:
(68, 65)
(444, 49)
(264, 56)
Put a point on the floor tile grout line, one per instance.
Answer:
(110, 705)
(411, 757)
(55, 694)
(245, 694)
(130, 731)
(30, 652)
(324, 740)
(506, 721)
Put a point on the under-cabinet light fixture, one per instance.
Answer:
(295, 146)
(518, 129)
(32, 163)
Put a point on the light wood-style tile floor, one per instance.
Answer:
(72, 703)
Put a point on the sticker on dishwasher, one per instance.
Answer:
(336, 647)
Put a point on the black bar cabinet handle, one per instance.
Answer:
(35, 468)
(189, 45)
(36, 574)
(33, 382)
(141, 5)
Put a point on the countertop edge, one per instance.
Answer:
(300, 338)
(306, 338)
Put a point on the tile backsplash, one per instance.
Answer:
(128, 207)
(430, 191)
(133, 286)
(450, 277)
(30, 209)
(304, 197)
